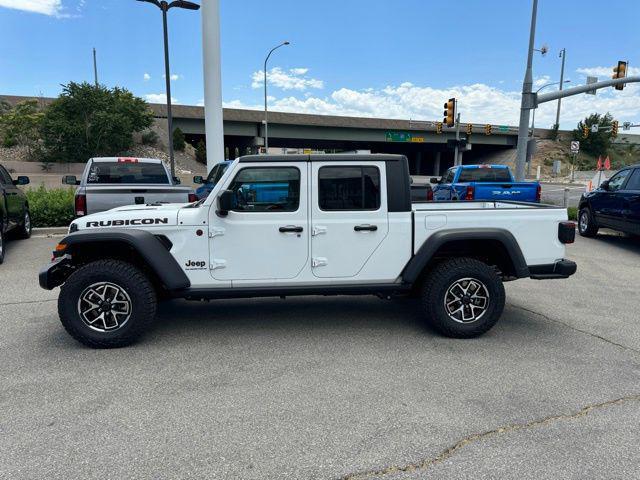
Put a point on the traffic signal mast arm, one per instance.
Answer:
(568, 92)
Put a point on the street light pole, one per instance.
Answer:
(266, 112)
(528, 100)
(563, 54)
(95, 67)
(164, 7)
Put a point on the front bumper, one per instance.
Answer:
(55, 273)
(560, 269)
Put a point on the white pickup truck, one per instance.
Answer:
(304, 225)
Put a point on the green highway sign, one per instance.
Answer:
(403, 137)
(503, 128)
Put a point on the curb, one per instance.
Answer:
(50, 231)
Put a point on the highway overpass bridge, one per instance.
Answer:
(426, 149)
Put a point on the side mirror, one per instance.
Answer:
(226, 202)
(21, 180)
(605, 185)
(70, 180)
(198, 179)
(177, 181)
(434, 180)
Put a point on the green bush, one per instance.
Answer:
(178, 140)
(573, 213)
(201, 152)
(150, 138)
(51, 208)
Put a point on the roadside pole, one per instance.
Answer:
(457, 160)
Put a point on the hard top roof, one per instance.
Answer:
(331, 157)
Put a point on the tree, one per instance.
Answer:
(597, 143)
(88, 121)
(201, 152)
(20, 125)
(178, 140)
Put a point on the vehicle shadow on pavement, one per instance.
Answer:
(620, 240)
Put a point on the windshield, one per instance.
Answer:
(129, 173)
(485, 175)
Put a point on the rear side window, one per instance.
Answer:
(634, 181)
(485, 175)
(349, 188)
(127, 173)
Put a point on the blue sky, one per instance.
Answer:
(399, 59)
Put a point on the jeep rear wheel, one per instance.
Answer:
(463, 298)
(107, 304)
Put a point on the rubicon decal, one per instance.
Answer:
(134, 221)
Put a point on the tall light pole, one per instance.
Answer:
(164, 7)
(95, 67)
(528, 100)
(266, 113)
(563, 54)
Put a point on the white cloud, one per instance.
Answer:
(478, 103)
(541, 81)
(293, 79)
(45, 7)
(159, 98)
(174, 77)
(605, 72)
(146, 77)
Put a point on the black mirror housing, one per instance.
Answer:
(70, 180)
(605, 185)
(198, 179)
(22, 180)
(226, 202)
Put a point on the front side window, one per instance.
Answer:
(138, 173)
(616, 182)
(267, 189)
(5, 178)
(349, 188)
(448, 177)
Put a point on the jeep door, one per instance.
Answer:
(266, 234)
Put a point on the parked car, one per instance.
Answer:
(111, 182)
(484, 182)
(615, 204)
(336, 225)
(207, 184)
(15, 219)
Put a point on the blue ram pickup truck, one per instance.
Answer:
(483, 182)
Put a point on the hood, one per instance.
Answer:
(131, 216)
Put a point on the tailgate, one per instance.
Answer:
(101, 198)
(515, 191)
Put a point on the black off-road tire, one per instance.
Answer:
(436, 289)
(125, 276)
(24, 230)
(587, 226)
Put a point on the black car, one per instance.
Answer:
(14, 209)
(615, 204)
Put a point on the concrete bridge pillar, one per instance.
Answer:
(436, 164)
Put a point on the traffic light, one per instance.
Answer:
(620, 72)
(438, 127)
(469, 128)
(487, 129)
(614, 128)
(450, 113)
(585, 131)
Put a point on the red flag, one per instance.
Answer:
(599, 165)
(607, 163)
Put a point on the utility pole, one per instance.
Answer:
(95, 67)
(528, 100)
(457, 160)
(563, 54)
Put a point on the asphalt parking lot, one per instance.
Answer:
(329, 388)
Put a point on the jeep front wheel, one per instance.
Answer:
(107, 304)
(463, 297)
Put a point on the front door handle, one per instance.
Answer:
(365, 228)
(291, 229)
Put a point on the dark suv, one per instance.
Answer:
(615, 205)
(14, 209)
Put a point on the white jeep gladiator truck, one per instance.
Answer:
(304, 225)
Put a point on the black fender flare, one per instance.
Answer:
(423, 256)
(146, 244)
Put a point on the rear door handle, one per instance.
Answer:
(365, 228)
(291, 229)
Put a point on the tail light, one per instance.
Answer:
(192, 198)
(567, 232)
(538, 193)
(429, 195)
(81, 205)
(470, 193)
